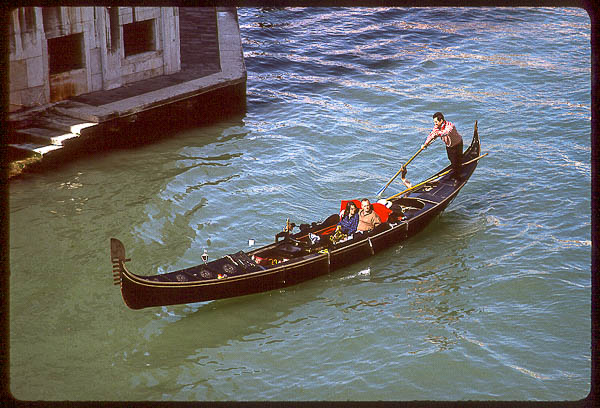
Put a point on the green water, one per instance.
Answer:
(490, 302)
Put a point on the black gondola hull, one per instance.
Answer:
(138, 293)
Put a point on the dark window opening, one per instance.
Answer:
(113, 16)
(138, 37)
(65, 53)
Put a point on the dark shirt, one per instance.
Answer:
(349, 224)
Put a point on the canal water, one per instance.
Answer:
(490, 302)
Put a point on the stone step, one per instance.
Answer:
(84, 112)
(61, 122)
(22, 150)
(43, 136)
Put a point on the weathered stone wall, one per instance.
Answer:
(60, 52)
(27, 60)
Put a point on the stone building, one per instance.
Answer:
(60, 52)
(87, 79)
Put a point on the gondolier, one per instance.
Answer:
(446, 131)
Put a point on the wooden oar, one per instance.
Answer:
(399, 171)
(437, 176)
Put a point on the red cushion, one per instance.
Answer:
(380, 209)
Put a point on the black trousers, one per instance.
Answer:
(455, 154)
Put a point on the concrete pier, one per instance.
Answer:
(210, 86)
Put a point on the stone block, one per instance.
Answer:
(90, 35)
(31, 44)
(146, 13)
(127, 67)
(87, 113)
(87, 14)
(35, 72)
(44, 135)
(36, 150)
(153, 62)
(14, 100)
(96, 82)
(68, 84)
(140, 75)
(143, 65)
(125, 15)
(77, 17)
(34, 96)
(141, 62)
(18, 75)
(95, 61)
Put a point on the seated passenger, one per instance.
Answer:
(367, 218)
(347, 225)
(349, 221)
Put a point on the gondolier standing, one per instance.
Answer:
(454, 144)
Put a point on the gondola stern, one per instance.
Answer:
(117, 249)
(117, 256)
(118, 259)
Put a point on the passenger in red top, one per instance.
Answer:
(454, 144)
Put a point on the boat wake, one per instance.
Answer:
(364, 275)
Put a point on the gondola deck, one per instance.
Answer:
(295, 258)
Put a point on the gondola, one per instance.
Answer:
(295, 257)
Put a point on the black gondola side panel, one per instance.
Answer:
(389, 238)
(305, 271)
(350, 254)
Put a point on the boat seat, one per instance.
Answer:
(288, 249)
(242, 260)
(230, 265)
